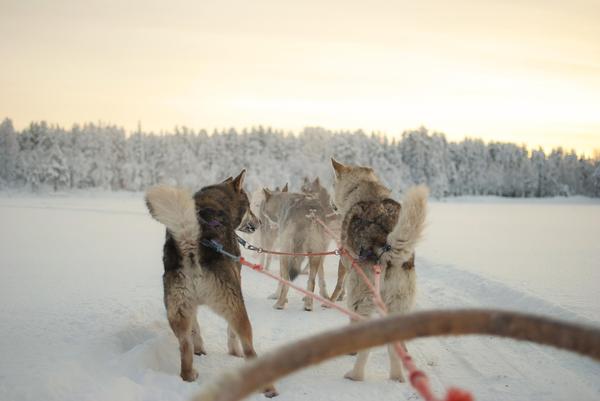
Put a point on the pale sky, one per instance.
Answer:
(523, 71)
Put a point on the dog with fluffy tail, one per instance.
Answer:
(380, 231)
(198, 275)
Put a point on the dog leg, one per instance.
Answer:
(181, 321)
(321, 277)
(197, 338)
(275, 295)
(339, 286)
(306, 269)
(358, 371)
(277, 292)
(395, 364)
(262, 258)
(233, 343)
(284, 263)
(240, 324)
(314, 264)
(269, 258)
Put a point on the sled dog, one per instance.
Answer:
(268, 229)
(380, 231)
(317, 190)
(298, 233)
(198, 275)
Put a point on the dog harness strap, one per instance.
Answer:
(218, 247)
(245, 244)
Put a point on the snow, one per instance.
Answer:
(546, 247)
(48, 157)
(82, 318)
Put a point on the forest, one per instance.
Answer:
(44, 157)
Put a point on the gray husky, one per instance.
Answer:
(268, 229)
(297, 233)
(317, 190)
(198, 275)
(380, 231)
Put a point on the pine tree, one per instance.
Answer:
(9, 149)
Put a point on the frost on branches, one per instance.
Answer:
(46, 157)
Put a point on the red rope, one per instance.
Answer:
(259, 268)
(335, 252)
(418, 379)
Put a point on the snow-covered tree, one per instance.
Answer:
(103, 156)
(9, 150)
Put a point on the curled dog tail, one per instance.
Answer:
(175, 208)
(411, 223)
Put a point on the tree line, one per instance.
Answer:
(49, 157)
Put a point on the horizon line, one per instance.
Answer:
(590, 154)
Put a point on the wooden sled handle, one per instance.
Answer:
(284, 360)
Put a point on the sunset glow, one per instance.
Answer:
(525, 72)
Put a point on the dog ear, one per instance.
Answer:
(338, 167)
(267, 193)
(317, 183)
(391, 206)
(285, 188)
(228, 179)
(306, 180)
(238, 181)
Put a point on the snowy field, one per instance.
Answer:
(81, 313)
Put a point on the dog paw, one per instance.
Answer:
(279, 305)
(398, 377)
(200, 351)
(354, 377)
(190, 376)
(308, 308)
(236, 352)
(234, 348)
(270, 392)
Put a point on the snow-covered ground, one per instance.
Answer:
(81, 314)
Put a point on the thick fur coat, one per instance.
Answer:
(198, 275)
(297, 233)
(372, 220)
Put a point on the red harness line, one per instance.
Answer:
(418, 379)
(335, 252)
(259, 268)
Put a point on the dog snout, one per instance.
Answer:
(249, 227)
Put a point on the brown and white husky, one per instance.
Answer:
(198, 275)
(372, 221)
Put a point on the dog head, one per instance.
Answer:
(272, 203)
(234, 202)
(347, 181)
(315, 189)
